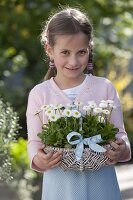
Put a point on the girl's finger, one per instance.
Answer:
(45, 156)
(110, 162)
(55, 155)
(120, 141)
(55, 161)
(41, 147)
(110, 153)
(114, 146)
(56, 165)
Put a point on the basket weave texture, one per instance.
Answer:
(90, 160)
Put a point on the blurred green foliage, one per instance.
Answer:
(24, 178)
(8, 129)
(18, 151)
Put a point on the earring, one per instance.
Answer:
(51, 64)
(89, 66)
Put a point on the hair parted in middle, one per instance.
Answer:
(68, 21)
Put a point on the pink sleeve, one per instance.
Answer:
(33, 125)
(117, 119)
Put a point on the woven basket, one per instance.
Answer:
(90, 160)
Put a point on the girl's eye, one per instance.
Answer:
(65, 52)
(82, 52)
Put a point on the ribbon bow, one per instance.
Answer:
(91, 142)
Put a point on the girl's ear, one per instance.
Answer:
(49, 50)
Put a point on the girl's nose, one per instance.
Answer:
(73, 61)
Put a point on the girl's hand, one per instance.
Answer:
(47, 161)
(117, 152)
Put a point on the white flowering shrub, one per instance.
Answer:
(9, 126)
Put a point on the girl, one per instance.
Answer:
(68, 38)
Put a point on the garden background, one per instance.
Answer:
(23, 64)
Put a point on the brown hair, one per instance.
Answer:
(66, 22)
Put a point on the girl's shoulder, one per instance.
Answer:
(38, 92)
(106, 84)
(102, 81)
(40, 87)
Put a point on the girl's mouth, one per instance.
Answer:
(72, 69)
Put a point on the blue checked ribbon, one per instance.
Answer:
(91, 142)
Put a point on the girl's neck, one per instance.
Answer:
(65, 83)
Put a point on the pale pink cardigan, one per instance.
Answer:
(96, 89)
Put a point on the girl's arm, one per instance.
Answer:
(39, 161)
(121, 150)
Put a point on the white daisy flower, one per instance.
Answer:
(103, 105)
(86, 108)
(101, 119)
(103, 101)
(78, 103)
(114, 107)
(97, 110)
(53, 118)
(58, 106)
(67, 113)
(44, 107)
(110, 105)
(92, 104)
(107, 112)
(110, 101)
(49, 106)
(49, 112)
(76, 114)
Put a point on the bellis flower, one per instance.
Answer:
(88, 120)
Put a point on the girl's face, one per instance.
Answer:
(70, 54)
